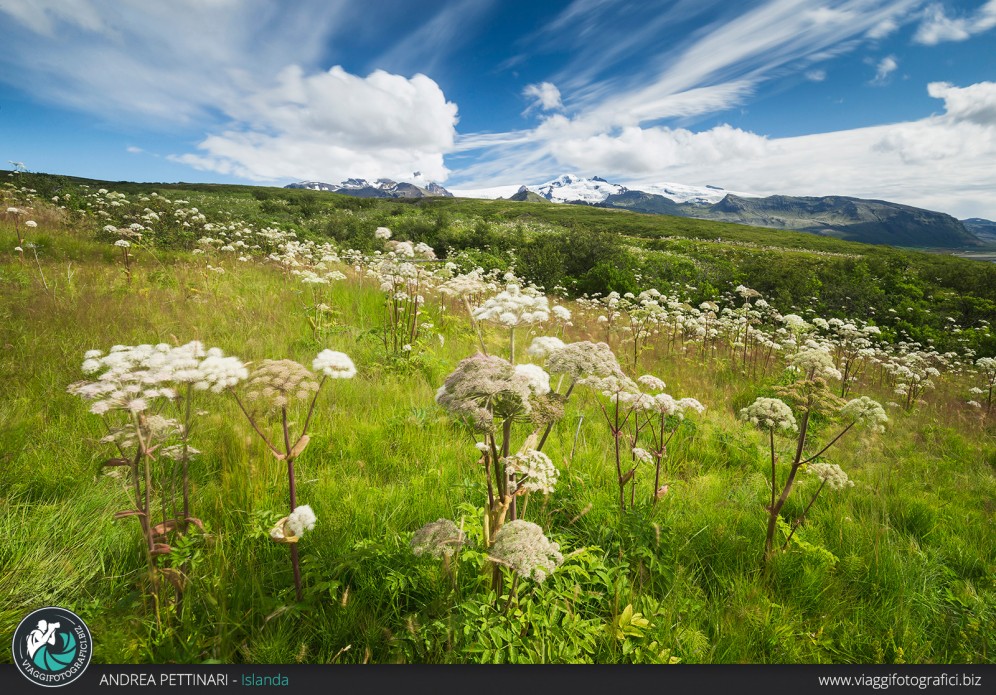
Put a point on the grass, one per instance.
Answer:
(898, 568)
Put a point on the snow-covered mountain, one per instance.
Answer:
(570, 188)
(381, 188)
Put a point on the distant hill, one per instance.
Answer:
(524, 195)
(854, 219)
(984, 229)
(381, 188)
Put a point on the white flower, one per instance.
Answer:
(219, 373)
(532, 471)
(561, 313)
(543, 345)
(301, 519)
(522, 546)
(831, 474)
(335, 365)
(440, 538)
(642, 455)
(770, 413)
(122, 243)
(537, 378)
(31, 224)
(816, 361)
(651, 382)
(382, 233)
(867, 412)
(690, 404)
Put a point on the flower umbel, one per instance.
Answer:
(522, 546)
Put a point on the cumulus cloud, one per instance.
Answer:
(966, 129)
(936, 27)
(884, 69)
(635, 151)
(544, 95)
(334, 125)
(975, 103)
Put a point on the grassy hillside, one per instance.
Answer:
(897, 568)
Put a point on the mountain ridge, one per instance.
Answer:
(844, 217)
(381, 188)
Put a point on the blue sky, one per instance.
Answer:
(892, 99)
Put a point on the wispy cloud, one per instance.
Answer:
(619, 127)
(544, 96)
(166, 62)
(884, 70)
(426, 48)
(937, 27)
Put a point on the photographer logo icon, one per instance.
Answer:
(52, 647)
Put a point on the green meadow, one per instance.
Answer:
(898, 568)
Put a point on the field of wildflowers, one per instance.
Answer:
(231, 441)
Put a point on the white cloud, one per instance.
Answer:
(334, 125)
(974, 104)
(884, 69)
(936, 27)
(544, 95)
(635, 151)
(170, 63)
(221, 67)
(883, 28)
(816, 75)
(131, 149)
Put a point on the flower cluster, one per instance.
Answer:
(483, 388)
(831, 474)
(536, 377)
(301, 519)
(334, 365)
(531, 471)
(815, 362)
(867, 412)
(131, 377)
(583, 359)
(276, 383)
(522, 546)
(770, 414)
(440, 538)
(543, 346)
(515, 306)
